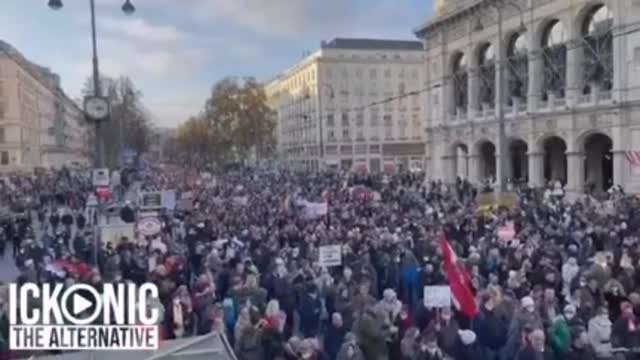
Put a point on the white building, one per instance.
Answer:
(571, 90)
(369, 96)
(39, 125)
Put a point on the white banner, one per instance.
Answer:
(315, 210)
(168, 199)
(437, 296)
(330, 255)
(100, 177)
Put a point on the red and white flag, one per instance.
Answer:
(459, 281)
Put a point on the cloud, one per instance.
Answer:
(142, 30)
(173, 111)
(279, 17)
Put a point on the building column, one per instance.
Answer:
(448, 165)
(536, 169)
(619, 164)
(575, 171)
(535, 71)
(474, 87)
(473, 162)
(575, 55)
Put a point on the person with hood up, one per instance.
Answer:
(468, 347)
(600, 333)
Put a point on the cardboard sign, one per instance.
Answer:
(151, 200)
(315, 210)
(437, 296)
(113, 233)
(507, 232)
(100, 177)
(330, 255)
(168, 199)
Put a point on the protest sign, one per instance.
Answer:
(437, 296)
(113, 233)
(330, 255)
(507, 232)
(315, 210)
(168, 199)
(149, 226)
(100, 177)
(151, 200)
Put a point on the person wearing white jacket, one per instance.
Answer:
(600, 334)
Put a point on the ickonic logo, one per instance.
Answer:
(78, 317)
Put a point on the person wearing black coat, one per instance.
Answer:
(334, 336)
(468, 348)
(310, 310)
(491, 329)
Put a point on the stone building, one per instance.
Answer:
(570, 91)
(355, 104)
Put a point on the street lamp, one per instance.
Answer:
(128, 9)
(503, 148)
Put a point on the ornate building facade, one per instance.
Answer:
(570, 91)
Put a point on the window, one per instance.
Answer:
(359, 119)
(388, 133)
(330, 120)
(374, 120)
(388, 121)
(360, 135)
(2, 110)
(346, 135)
(387, 73)
(373, 74)
(2, 136)
(345, 119)
(4, 158)
(331, 135)
(359, 73)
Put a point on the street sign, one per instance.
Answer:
(100, 177)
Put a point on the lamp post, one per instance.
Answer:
(128, 9)
(503, 143)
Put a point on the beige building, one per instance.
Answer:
(354, 104)
(570, 91)
(39, 125)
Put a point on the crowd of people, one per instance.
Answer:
(242, 258)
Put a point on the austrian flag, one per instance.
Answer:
(459, 281)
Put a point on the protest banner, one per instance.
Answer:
(149, 226)
(437, 296)
(315, 210)
(330, 255)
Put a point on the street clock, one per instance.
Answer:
(97, 108)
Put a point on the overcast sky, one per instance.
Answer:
(174, 50)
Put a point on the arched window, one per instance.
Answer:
(554, 51)
(487, 72)
(518, 74)
(598, 48)
(460, 83)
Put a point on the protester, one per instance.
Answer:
(240, 255)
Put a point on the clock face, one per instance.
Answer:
(96, 108)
